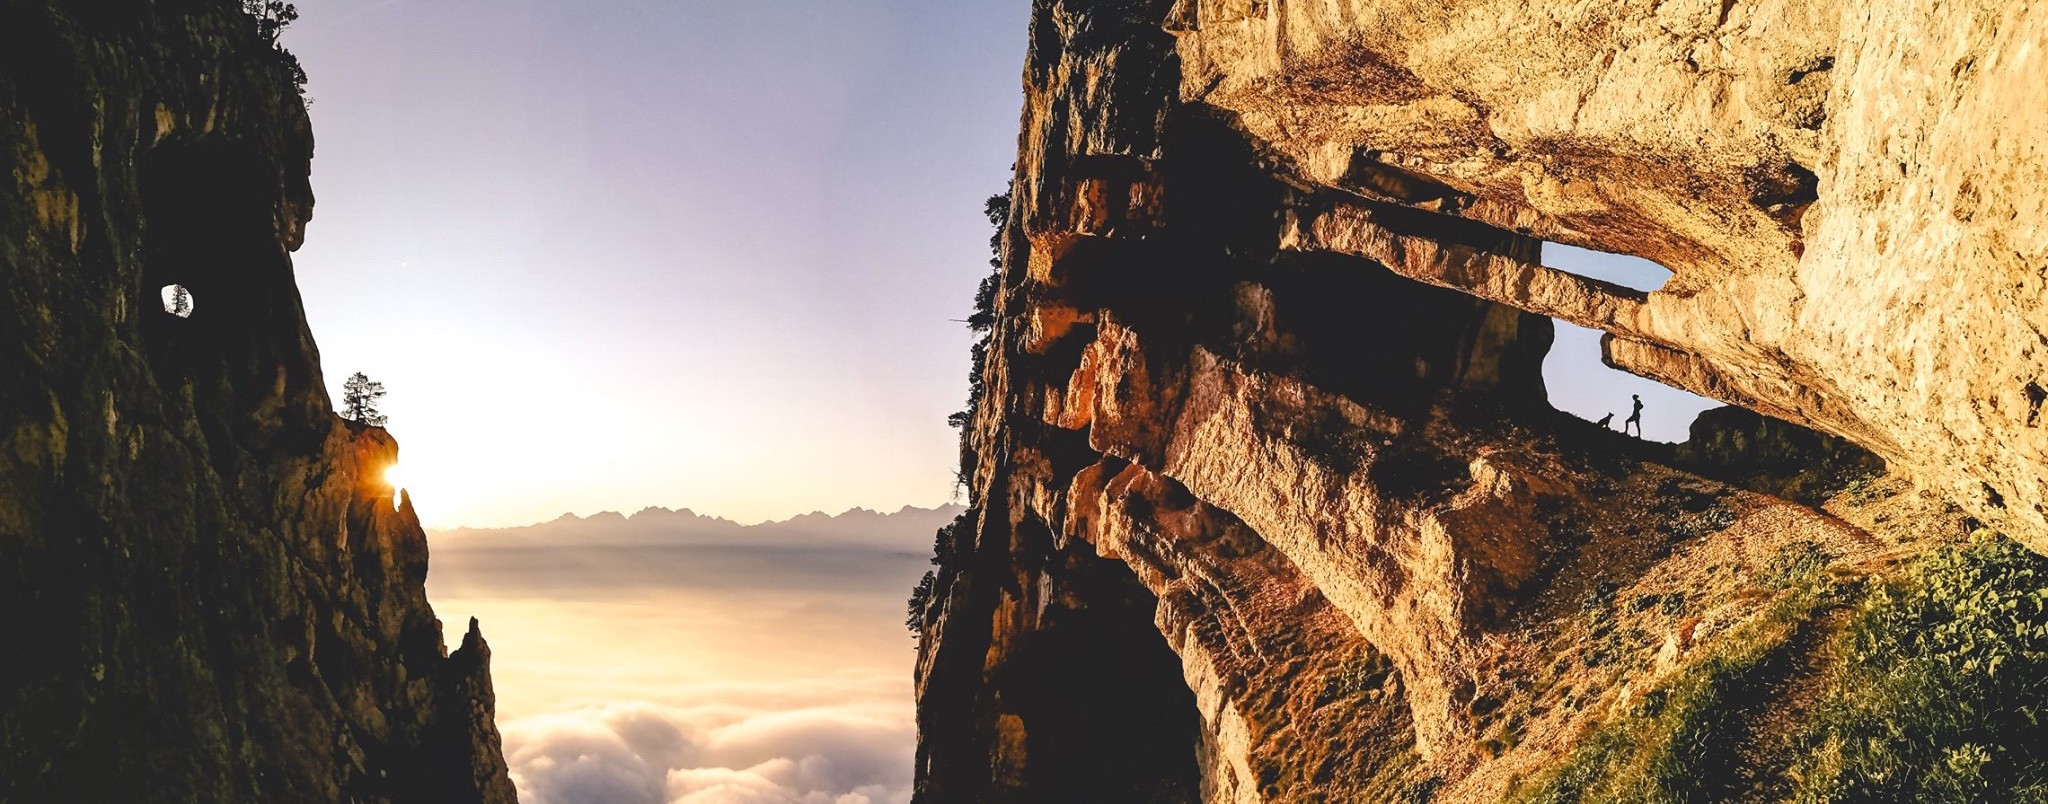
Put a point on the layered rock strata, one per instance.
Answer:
(211, 594)
(1266, 370)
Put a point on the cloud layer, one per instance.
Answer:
(638, 753)
(642, 661)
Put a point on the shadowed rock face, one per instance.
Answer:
(211, 595)
(1270, 331)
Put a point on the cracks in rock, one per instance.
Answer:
(1819, 65)
(1368, 173)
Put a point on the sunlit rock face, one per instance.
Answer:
(210, 593)
(1848, 194)
(1266, 370)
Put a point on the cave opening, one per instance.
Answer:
(1581, 384)
(1106, 712)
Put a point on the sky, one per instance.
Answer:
(617, 253)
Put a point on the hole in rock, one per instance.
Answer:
(395, 478)
(1620, 269)
(1583, 386)
(178, 301)
(210, 229)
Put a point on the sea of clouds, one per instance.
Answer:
(638, 753)
(705, 671)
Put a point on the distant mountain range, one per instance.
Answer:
(908, 529)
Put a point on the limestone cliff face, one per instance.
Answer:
(210, 595)
(1269, 504)
(1848, 193)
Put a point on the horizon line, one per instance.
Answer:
(571, 515)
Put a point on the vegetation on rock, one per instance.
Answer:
(272, 17)
(1935, 690)
(920, 597)
(1943, 694)
(1678, 743)
(359, 400)
(983, 319)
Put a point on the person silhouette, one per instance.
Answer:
(1606, 422)
(1635, 417)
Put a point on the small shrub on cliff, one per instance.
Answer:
(945, 547)
(943, 540)
(997, 208)
(272, 17)
(1795, 564)
(920, 597)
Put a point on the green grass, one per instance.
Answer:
(1938, 692)
(1944, 686)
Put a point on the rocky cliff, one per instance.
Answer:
(1269, 505)
(211, 595)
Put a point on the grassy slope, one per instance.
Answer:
(1931, 688)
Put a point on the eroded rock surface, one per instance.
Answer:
(1848, 194)
(1266, 369)
(210, 593)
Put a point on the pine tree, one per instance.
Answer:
(359, 400)
(181, 302)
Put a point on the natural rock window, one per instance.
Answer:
(177, 301)
(1581, 384)
(210, 226)
(1620, 269)
(395, 478)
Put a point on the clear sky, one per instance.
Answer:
(609, 254)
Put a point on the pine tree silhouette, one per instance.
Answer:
(359, 400)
